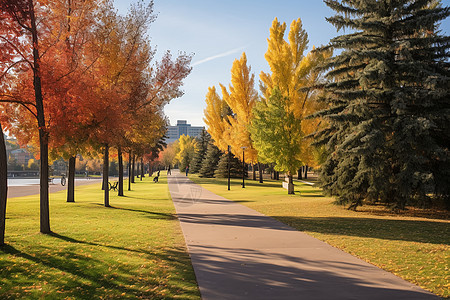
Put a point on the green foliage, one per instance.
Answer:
(388, 99)
(200, 153)
(235, 167)
(211, 161)
(276, 133)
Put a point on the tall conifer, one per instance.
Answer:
(235, 167)
(388, 93)
(210, 162)
(200, 153)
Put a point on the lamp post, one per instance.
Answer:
(243, 166)
(229, 155)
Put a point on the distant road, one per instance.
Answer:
(33, 189)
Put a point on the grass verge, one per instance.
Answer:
(414, 248)
(133, 250)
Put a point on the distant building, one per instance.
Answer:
(182, 127)
(22, 156)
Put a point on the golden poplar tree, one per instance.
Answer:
(215, 118)
(292, 72)
(185, 150)
(241, 98)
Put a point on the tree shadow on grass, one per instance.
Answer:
(403, 230)
(74, 273)
(150, 214)
(88, 272)
(266, 183)
(143, 198)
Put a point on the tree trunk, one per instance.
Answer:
(133, 164)
(306, 172)
(299, 176)
(142, 167)
(290, 184)
(71, 180)
(119, 153)
(129, 170)
(254, 172)
(260, 173)
(106, 175)
(44, 175)
(3, 186)
(43, 134)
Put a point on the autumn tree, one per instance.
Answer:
(167, 156)
(187, 146)
(277, 133)
(66, 69)
(293, 73)
(216, 119)
(241, 99)
(20, 42)
(3, 185)
(129, 87)
(288, 85)
(389, 104)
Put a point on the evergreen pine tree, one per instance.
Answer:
(235, 167)
(210, 162)
(200, 153)
(388, 97)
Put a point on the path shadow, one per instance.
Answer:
(192, 201)
(403, 230)
(236, 220)
(230, 273)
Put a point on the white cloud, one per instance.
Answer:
(218, 56)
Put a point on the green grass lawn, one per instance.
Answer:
(135, 249)
(409, 245)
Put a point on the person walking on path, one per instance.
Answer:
(168, 171)
(187, 170)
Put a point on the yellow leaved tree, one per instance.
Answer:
(241, 99)
(216, 112)
(185, 150)
(293, 73)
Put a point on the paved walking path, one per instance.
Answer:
(238, 253)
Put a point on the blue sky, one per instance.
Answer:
(217, 32)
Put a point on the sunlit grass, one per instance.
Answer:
(133, 250)
(414, 248)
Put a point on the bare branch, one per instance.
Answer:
(18, 51)
(24, 104)
(10, 67)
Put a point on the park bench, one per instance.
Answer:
(113, 186)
